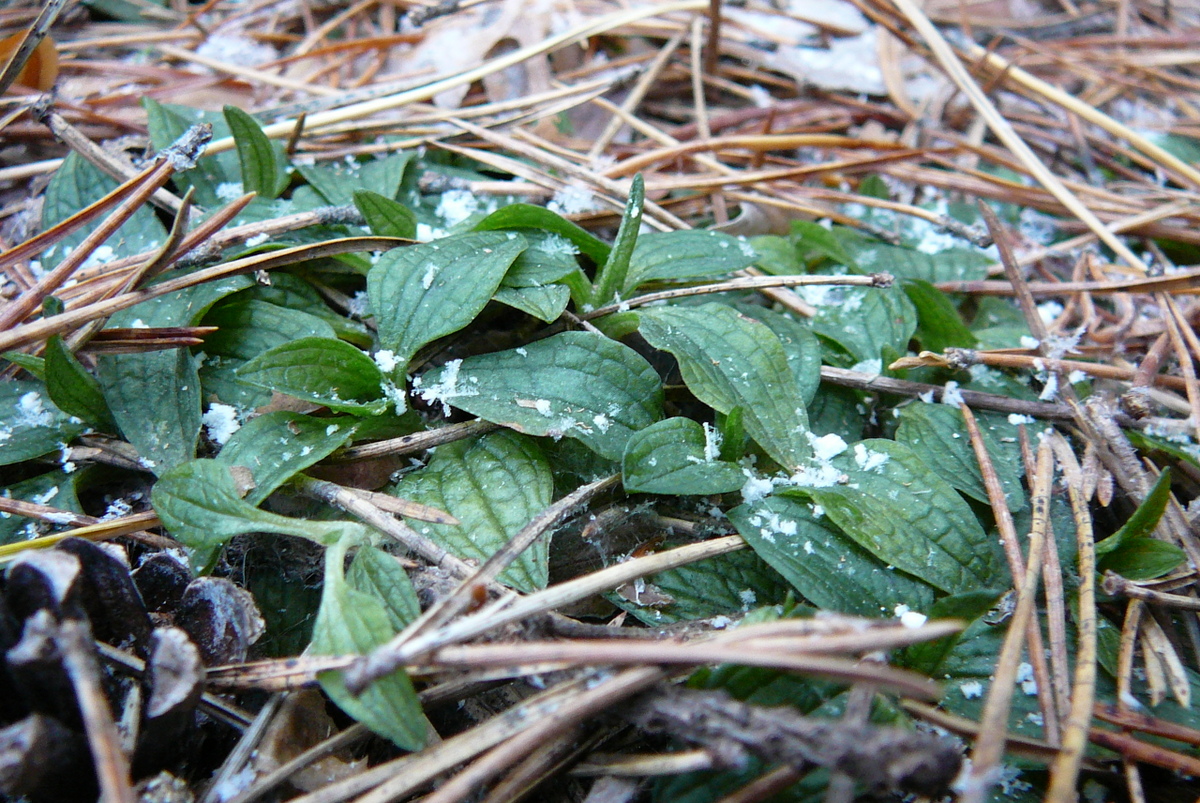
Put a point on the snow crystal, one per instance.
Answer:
(1016, 418)
(826, 447)
(455, 206)
(257, 239)
(448, 388)
(229, 191)
(543, 407)
(386, 360)
(574, 199)
(756, 488)
(31, 411)
(951, 395)
(868, 459)
(1030, 343)
(602, 423)
(712, 443)
(1048, 311)
(430, 272)
(971, 689)
(221, 422)
(1026, 679)
(747, 597)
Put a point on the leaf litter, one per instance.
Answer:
(684, 581)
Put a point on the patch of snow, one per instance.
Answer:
(951, 395)
(446, 389)
(221, 422)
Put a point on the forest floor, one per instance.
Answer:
(599, 401)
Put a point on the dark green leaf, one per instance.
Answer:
(729, 360)
(903, 513)
(611, 277)
(799, 343)
(351, 622)
(77, 184)
(387, 218)
(276, 446)
(678, 456)
(949, 265)
(970, 605)
(527, 216)
(938, 435)
(575, 384)
(938, 323)
(155, 397)
(73, 389)
(726, 586)
(262, 169)
(57, 489)
(493, 485)
(862, 320)
(338, 181)
(811, 239)
(199, 504)
(30, 424)
(822, 564)
(34, 365)
(246, 328)
(323, 371)
(1142, 558)
(1143, 521)
(429, 290)
(380, 575)
(217, 178)
(544, 303)
(694, 254)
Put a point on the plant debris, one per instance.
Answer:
(677, 401)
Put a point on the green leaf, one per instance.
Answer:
(575, 384)
(862, 320)
(1142, 558)
(903, 513)
(811, 241)
(167, 122)
(246, 328)
(263, 167)
(295, 294)
(938, 435)
(34, 365)
(694, 254)
(547, 259)
(938, 323)
(338, 181)
(493, 485)
(323, 371)
(57, 489)
(611, 277)
(387, 218)
(822, 564)
(155, 397)
(927, 656)
(73, 389)
(678, 456)
(276, 446)
(949, 265)
(799, 343)
(76, 184)
(199, 505)
(527, 216)
(380, 575)
(725, 586)
(30, 424)
(1145, 519)
(544, 303)
(429, 290)
(351, 622)
(727, 361)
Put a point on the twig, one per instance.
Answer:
(989, 747)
